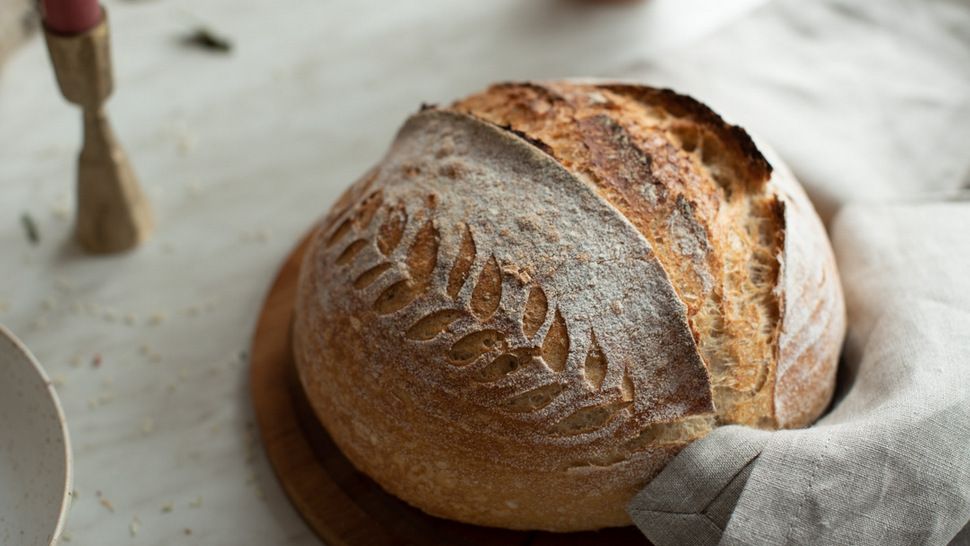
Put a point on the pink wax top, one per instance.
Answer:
(71, 16)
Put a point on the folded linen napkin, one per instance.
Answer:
(869, 102)
(890, 464)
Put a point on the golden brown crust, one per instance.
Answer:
(756, 168)
(545, 291)
(695, 188)
(814, 315)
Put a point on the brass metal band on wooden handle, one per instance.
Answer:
(113, 214)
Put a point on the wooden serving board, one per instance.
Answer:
(343, 506)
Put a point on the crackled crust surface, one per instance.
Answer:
(695, 187)
(543, 292)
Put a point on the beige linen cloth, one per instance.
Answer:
(869, 102)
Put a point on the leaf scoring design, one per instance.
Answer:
(368, 208)
(390, 233)
(555, 347)
(423, 255)
(360, 218)
(536, 307)
(594, 369)
(421, 261)
(535, 399)
(588, 418)
(593, 417)
(339, 233)
(463, 263)
(627, 388)
(488, 291)
(474, 345)
(504, 365)
(432, 325)
(394, 298)
(368, 277)
(351, 251)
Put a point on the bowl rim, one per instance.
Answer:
(62, 422)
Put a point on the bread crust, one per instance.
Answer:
(541, 294)
(814, 314)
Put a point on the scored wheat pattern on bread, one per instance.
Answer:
(544, 291)
(488, 346)
(490, 303)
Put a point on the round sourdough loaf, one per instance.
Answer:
(544, 291)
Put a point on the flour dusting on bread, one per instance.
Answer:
(544, 291)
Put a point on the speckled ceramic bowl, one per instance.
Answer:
(35, 454)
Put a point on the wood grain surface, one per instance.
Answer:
(343, 506)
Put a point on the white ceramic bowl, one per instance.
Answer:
(35, 454)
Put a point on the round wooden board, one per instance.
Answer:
(343, 506)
